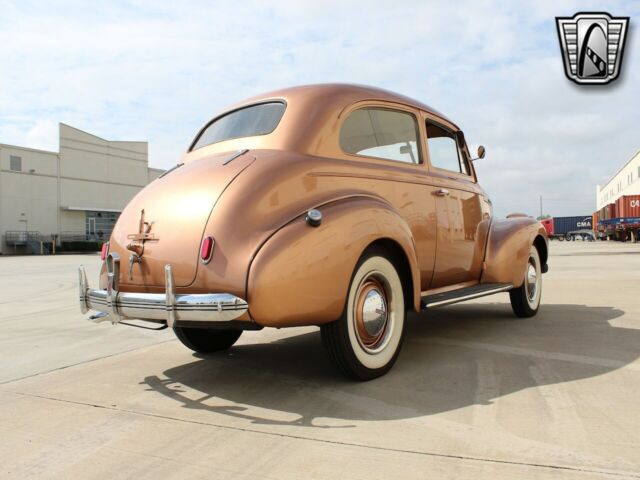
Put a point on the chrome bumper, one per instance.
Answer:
(167, 307)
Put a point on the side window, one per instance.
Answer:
(377, 132)
(443, 149)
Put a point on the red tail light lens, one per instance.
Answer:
(105, 251)
(206, 249)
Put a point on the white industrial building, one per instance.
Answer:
(75, 194)
(626, 181)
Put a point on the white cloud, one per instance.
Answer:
(158, 70)
(43, 135)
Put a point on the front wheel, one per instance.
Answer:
(365, 342)
(206, 340)
(525, 300)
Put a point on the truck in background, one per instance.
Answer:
(569, 228)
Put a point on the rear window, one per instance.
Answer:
(381, 133)
(247, 122)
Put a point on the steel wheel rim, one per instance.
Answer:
(371, 315)
(531, 280)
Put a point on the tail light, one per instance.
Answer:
(104, 251)
(206, 250)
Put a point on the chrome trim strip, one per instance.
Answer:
(239, 153)
(169, 307)
(84, 286)
(113, 280)
(167, 172)
(170, 296)
(470, 296)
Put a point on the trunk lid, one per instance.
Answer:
(176, 208)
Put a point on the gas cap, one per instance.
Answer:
(314, 217)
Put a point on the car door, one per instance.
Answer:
(388, 139)
(462, 211)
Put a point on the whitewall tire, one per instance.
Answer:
(525, 300)
(365, 341)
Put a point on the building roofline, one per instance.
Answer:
(40, 150)
(80, 130)
(101, 138)
(19, 147)
(619, 170)
(141, 142)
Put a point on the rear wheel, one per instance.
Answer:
(365, 342)
(525, 300)
(206, 340)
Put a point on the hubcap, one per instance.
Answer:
(532, 280)
(374, 312)
(371, 314)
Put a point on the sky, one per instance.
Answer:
(157, 71)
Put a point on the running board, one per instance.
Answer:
(463, 294)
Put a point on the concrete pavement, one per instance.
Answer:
(476, 393)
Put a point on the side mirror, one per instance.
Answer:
(481, 153)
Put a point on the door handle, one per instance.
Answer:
(442, 192)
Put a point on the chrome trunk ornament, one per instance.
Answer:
(133, 259)
(137, 245)
(144, 235)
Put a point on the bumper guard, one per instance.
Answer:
(169, 308)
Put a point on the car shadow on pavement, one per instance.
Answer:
(453, 357)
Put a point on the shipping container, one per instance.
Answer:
(595, 219)
(563, 225)
(628, 206)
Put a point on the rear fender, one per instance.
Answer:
(301, 275)
(508, 249)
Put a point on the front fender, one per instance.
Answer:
(508, 248)
(301, 275)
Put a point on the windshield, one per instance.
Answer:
(250, 121)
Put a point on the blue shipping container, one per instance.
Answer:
(562, 225)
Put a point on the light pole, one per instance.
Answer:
(540, 206)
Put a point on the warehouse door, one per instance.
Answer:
(99, 225)
(91, 228)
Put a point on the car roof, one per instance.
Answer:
(308, 124)
(339, 96)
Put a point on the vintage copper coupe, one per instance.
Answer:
(340, 206)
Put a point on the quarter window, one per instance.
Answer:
(381, 133)
(252, 121)
(15, 163)
(443, 149)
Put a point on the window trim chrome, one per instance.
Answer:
(229, 112)
(461, 155)
(347, 114)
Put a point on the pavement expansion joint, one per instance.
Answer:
(467, 458)
(84, 362)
